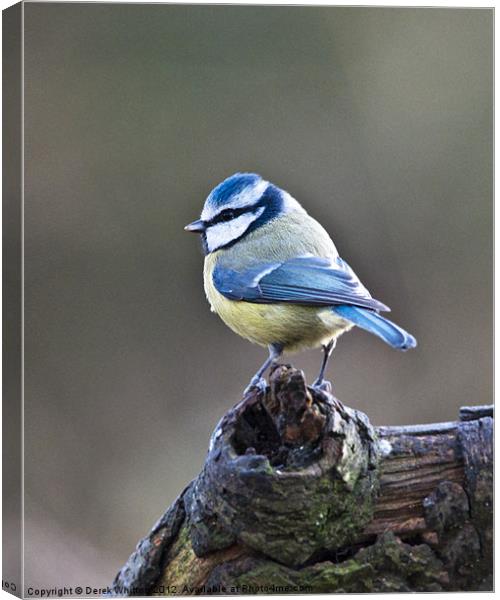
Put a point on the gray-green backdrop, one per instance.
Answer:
(378, 120)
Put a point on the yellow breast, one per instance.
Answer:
(295, 326)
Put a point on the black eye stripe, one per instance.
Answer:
(227, 215)
(230, 213)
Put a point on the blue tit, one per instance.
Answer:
(274, 276)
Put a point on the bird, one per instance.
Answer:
(274, 276)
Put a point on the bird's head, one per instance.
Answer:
(237, 206)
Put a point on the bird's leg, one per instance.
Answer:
(327, 352)
(257, 381)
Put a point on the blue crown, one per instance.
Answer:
(231, 186)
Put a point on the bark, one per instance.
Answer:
(301, 494)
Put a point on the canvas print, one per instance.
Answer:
(248, 315)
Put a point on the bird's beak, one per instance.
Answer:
(196, 226)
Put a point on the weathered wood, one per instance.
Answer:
(472, 413)
(299, 494)
(306, 486)
(415, 460)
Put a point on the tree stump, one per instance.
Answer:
(301, 494)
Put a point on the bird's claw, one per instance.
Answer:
(323, 386)
(256, 383)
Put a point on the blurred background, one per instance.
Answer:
(378, 120)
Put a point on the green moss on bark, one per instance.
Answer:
(388, 565)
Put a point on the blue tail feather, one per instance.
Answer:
(372, 322)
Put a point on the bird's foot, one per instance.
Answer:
(323, 386)
(256, 384)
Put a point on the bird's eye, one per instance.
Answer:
(227, 215)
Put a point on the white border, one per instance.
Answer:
(353, 3)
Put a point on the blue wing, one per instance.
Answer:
(307, 280)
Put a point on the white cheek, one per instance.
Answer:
(223, 233)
